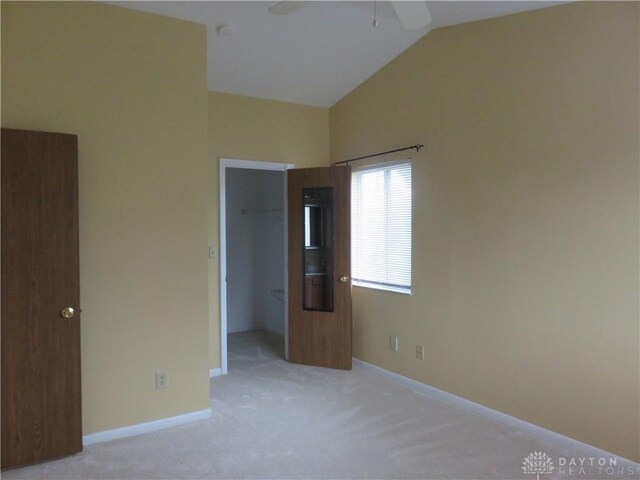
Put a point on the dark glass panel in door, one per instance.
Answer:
(318, 249)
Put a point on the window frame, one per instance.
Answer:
(372, 284)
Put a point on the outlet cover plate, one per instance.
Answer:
(162, 379)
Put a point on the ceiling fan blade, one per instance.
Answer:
(412, 15)
(284, 8)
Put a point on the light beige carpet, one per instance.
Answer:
(275, 420)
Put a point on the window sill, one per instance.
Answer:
(386, 288)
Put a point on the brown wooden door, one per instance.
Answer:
(41, 402)
(319, 257)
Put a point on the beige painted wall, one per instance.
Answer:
(137, 99)
(525, 281)
(248, 128)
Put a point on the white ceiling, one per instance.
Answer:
(317, 54)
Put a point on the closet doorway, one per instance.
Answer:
(253, 272)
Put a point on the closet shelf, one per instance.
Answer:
(277, 212)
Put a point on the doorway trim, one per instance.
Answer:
(253, 165)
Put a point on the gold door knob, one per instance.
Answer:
(67, 312)
(344, 278)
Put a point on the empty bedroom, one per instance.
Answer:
(323, 239)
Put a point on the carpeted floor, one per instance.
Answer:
(275, 420)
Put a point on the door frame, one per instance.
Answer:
(252, 165)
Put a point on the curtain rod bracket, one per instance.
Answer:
(415, 147)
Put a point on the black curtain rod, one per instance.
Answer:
(415, 147)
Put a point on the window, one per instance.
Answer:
(381, 226)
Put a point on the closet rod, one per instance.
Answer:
(415, 147)
(245, 211)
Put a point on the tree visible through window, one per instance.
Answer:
(381, 226)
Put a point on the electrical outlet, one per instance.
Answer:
(419, 352)
(212, 253)
(393, 343)
(162, 380)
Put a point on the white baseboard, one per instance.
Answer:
(215, 372)
(478, 409)
(147, 427)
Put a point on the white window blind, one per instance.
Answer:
(381, 226)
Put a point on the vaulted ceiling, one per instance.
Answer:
(318, 53)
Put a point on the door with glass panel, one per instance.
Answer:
(319, 258)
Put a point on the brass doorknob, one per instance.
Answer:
(67, 312)
(344, 278)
